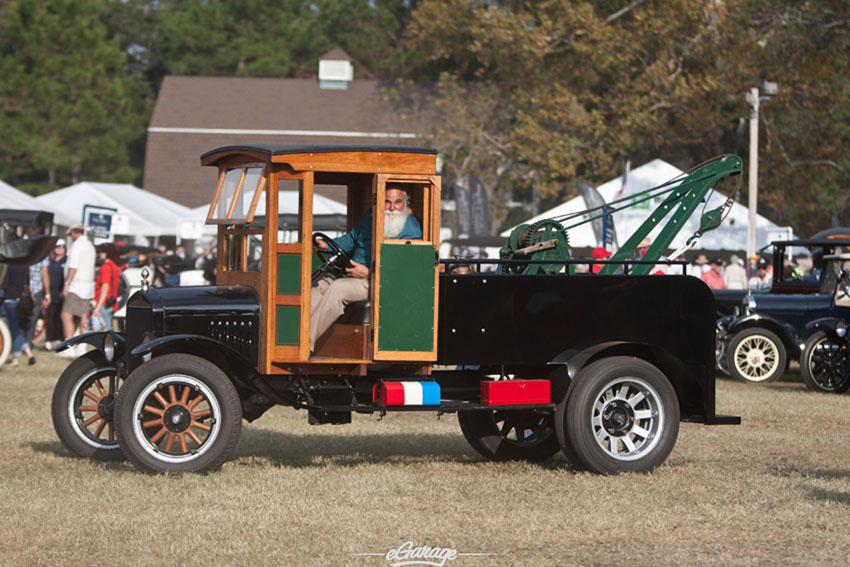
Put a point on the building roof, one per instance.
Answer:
(336, 54)
(249, 105)
(194, 115)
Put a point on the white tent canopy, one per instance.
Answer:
(11, 198)
(146, 213)
(730, 235)
(287, 204)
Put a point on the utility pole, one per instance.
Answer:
(753, 177)
(770, 90)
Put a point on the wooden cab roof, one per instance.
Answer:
(358, 158)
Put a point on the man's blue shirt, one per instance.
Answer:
(358, 242)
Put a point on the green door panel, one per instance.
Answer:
(288, 274)
(287, 318)
(406, 308)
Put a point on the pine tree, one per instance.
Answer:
(68, 107)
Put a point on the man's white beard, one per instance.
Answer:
(394, 222)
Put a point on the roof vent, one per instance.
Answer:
(335, 74)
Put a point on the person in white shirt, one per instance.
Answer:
(699, 266)
(736, 275)
(762, 281)
(79, 284)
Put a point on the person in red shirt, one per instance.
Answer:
(106, 285)
(599, 253)
(714, 276)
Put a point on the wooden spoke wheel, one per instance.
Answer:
(178, 413)
(82, 408)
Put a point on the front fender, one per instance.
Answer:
(830, 325)
(220, 354)
(97, 340)
(784, 331)
(757, 320)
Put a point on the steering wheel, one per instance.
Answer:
(334, 260)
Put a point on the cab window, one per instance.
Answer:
(238, 193)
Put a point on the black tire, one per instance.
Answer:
(621, 415)
(720, 358)
(82, 408)
(178, 413)
(825, 364)
(499, 435)
(756, 355)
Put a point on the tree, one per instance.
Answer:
(585, 85)
(68, 109)
(270, 38)
(803, 159)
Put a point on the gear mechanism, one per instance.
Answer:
(544, 240)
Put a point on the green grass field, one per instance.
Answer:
(774, 490)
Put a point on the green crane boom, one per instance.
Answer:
(547, 239)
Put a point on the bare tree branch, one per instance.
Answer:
(623, 11)
(796, 163)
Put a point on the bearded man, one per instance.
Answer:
(330, 295)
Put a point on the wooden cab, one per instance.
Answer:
(268, 246)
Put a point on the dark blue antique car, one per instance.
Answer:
(785, 280)
(771, 328)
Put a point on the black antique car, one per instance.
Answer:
(770, 329)
(785, 280)
(24, 239)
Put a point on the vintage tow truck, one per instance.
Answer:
(533, 358)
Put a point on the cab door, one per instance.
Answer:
(405, 271)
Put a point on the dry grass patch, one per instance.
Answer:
(775, 489)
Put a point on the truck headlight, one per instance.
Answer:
(109, 347)
(749, 304)
(841, 329)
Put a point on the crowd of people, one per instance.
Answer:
(718, 274)
(76, 289)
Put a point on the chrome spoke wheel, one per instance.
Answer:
(621, 414)
(626, 419)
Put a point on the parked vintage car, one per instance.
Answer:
(785, 281)
(773, 328)
(24, 239)
(534, 359)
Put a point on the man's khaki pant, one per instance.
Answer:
(328, 300)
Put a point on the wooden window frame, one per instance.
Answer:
(222, 176)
